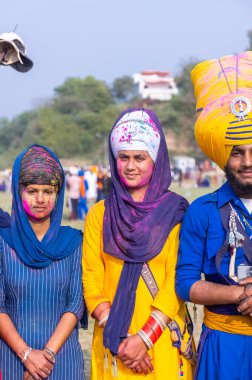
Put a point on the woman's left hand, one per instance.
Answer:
(132, 350)
(27, 376)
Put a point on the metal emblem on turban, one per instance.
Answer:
(237, 107)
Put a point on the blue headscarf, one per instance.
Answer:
(58, 242)
(4, 218)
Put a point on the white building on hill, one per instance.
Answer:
(155, 85)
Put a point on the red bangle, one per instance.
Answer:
(150, 333)
(155, 325)
(152, 329)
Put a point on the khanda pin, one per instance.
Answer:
(240, 107)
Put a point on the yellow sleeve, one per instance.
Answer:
(166, 299)
(92, 262)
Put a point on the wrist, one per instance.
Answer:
(152, 330)
(103, 314)
(50, 352)
(101, 310)
(238, 291)
(21, 349)
(103, 320)
(26, 355)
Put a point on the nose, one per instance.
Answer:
(131, 164)
(40, 197)
(247, 159)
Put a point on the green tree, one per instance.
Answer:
(123, 88)
(94, 94)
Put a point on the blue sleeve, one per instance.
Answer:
(75, 301)
(2, 292)
(191, 249)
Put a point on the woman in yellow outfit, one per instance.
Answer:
(130, 252)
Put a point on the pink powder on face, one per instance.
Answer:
(30, 203)
(119, 164)
(26, 206)
(123, 180)
(146, 179)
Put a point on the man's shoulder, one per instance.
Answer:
(202, 212)
(205, 200)
(203, 208)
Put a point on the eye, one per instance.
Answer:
(122, 158)
(49, 191)
(140, 158)
(236, 153)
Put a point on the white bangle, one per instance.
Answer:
(100, 323)
(27, 353)
(159, 320)
(145, 338)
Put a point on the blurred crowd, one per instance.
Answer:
(84, 188)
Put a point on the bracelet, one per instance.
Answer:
(50, 352)
(152, 330)
(145, 338)
(159, 319)
(104, 319)
(27, 353)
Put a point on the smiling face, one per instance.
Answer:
(38, 201)
(239, 170)
(135, 168)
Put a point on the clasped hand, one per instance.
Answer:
(245, 299)
(39, 365)
(133, 354)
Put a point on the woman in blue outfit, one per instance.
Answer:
(41, 297)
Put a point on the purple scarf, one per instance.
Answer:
(136, 232)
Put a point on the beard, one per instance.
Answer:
(243, 190)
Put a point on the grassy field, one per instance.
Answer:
(189, 191)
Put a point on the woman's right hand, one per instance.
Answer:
(39, 365)
(27, 376)
(144, 366)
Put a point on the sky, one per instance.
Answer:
(112, 38)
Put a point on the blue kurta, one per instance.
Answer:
(225, 356)
(35, 300)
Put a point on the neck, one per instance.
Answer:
(40, 227)
(243, 193)
(137, 194)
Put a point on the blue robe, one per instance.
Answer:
(35, 300)
(224, 356)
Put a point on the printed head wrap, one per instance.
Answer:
(223, 91)
(135, 131)
(39, 167)
(59, 241)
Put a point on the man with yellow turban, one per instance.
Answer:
(217, 228)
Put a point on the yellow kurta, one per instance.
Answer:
(101, 273)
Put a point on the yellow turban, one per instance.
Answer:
(223, 91)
